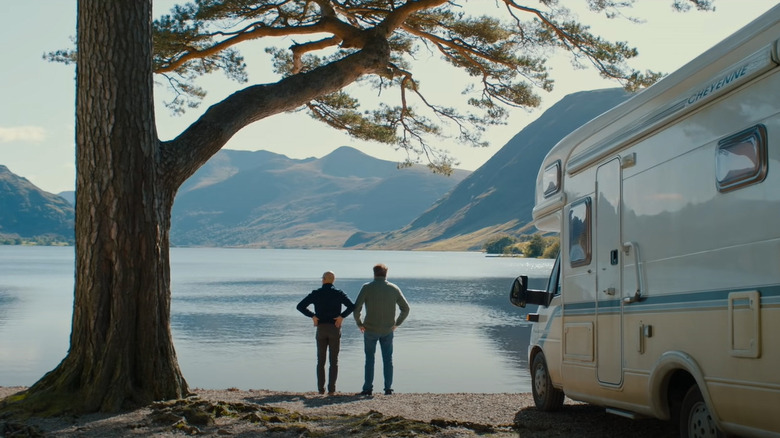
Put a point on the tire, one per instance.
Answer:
(546, 397)
(695, 418)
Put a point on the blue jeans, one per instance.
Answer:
(386, 344)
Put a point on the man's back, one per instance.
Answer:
(380, 299)
(327, 302)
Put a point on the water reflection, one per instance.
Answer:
(234, 320)
(7, 300)
(461, 336)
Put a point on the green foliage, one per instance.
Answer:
(531, 246)
(41, 240)
(503, 50)
(534, 247)
(498, 245)
(553, 247)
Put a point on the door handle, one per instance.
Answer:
(627, 247)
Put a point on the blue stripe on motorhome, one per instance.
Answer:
(770, 297)
(707, 300)
(553, 316)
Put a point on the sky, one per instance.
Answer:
(37, 97)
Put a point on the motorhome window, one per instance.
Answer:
(579, 233)
(551, 179)
(741, 159)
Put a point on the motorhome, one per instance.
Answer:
(665, 299)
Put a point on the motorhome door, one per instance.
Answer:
(609, 311)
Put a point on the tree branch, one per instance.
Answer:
(398, 16)
(298, 50)
(328, 24)
(193, 147)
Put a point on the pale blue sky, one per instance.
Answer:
(37, 98)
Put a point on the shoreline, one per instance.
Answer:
(294, 414)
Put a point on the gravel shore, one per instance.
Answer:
(218, 413)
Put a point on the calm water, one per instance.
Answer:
(235, 324)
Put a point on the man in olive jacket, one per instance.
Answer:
(380, 298)
(327, 317)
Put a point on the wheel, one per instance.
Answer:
(546, 397)
(695, 418)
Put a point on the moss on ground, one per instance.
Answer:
(193, 414)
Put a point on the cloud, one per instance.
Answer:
(33, 134)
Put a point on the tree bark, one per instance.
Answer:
(121, 351)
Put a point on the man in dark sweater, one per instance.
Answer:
(327, 317)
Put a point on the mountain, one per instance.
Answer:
(69, 196)
(29, 213)
(499, 196)
(262, 199)
(347, 198)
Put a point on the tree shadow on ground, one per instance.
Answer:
(588, 420)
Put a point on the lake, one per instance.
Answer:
(234, 320)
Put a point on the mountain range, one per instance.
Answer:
(344, 199)
(29, 213)
(267, 200)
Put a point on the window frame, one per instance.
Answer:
(556, 187)
(757, 135)
(587, 230)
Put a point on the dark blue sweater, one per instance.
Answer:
(327, 302)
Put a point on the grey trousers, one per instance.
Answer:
(328, 341)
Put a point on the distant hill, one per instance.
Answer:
(499, 196)
(30, 214)
(262, 199)
(69, 196)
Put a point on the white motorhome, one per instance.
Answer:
(665, 299)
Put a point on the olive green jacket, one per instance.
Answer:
(380, 297)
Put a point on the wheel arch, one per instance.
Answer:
(671, 377)
(533, 350)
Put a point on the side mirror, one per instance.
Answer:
(518, 295)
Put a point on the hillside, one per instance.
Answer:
(27, 213)
(499, 196)
(262, 199)
(345, 199)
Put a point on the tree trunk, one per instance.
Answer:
(121, 349)
(121, 353)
